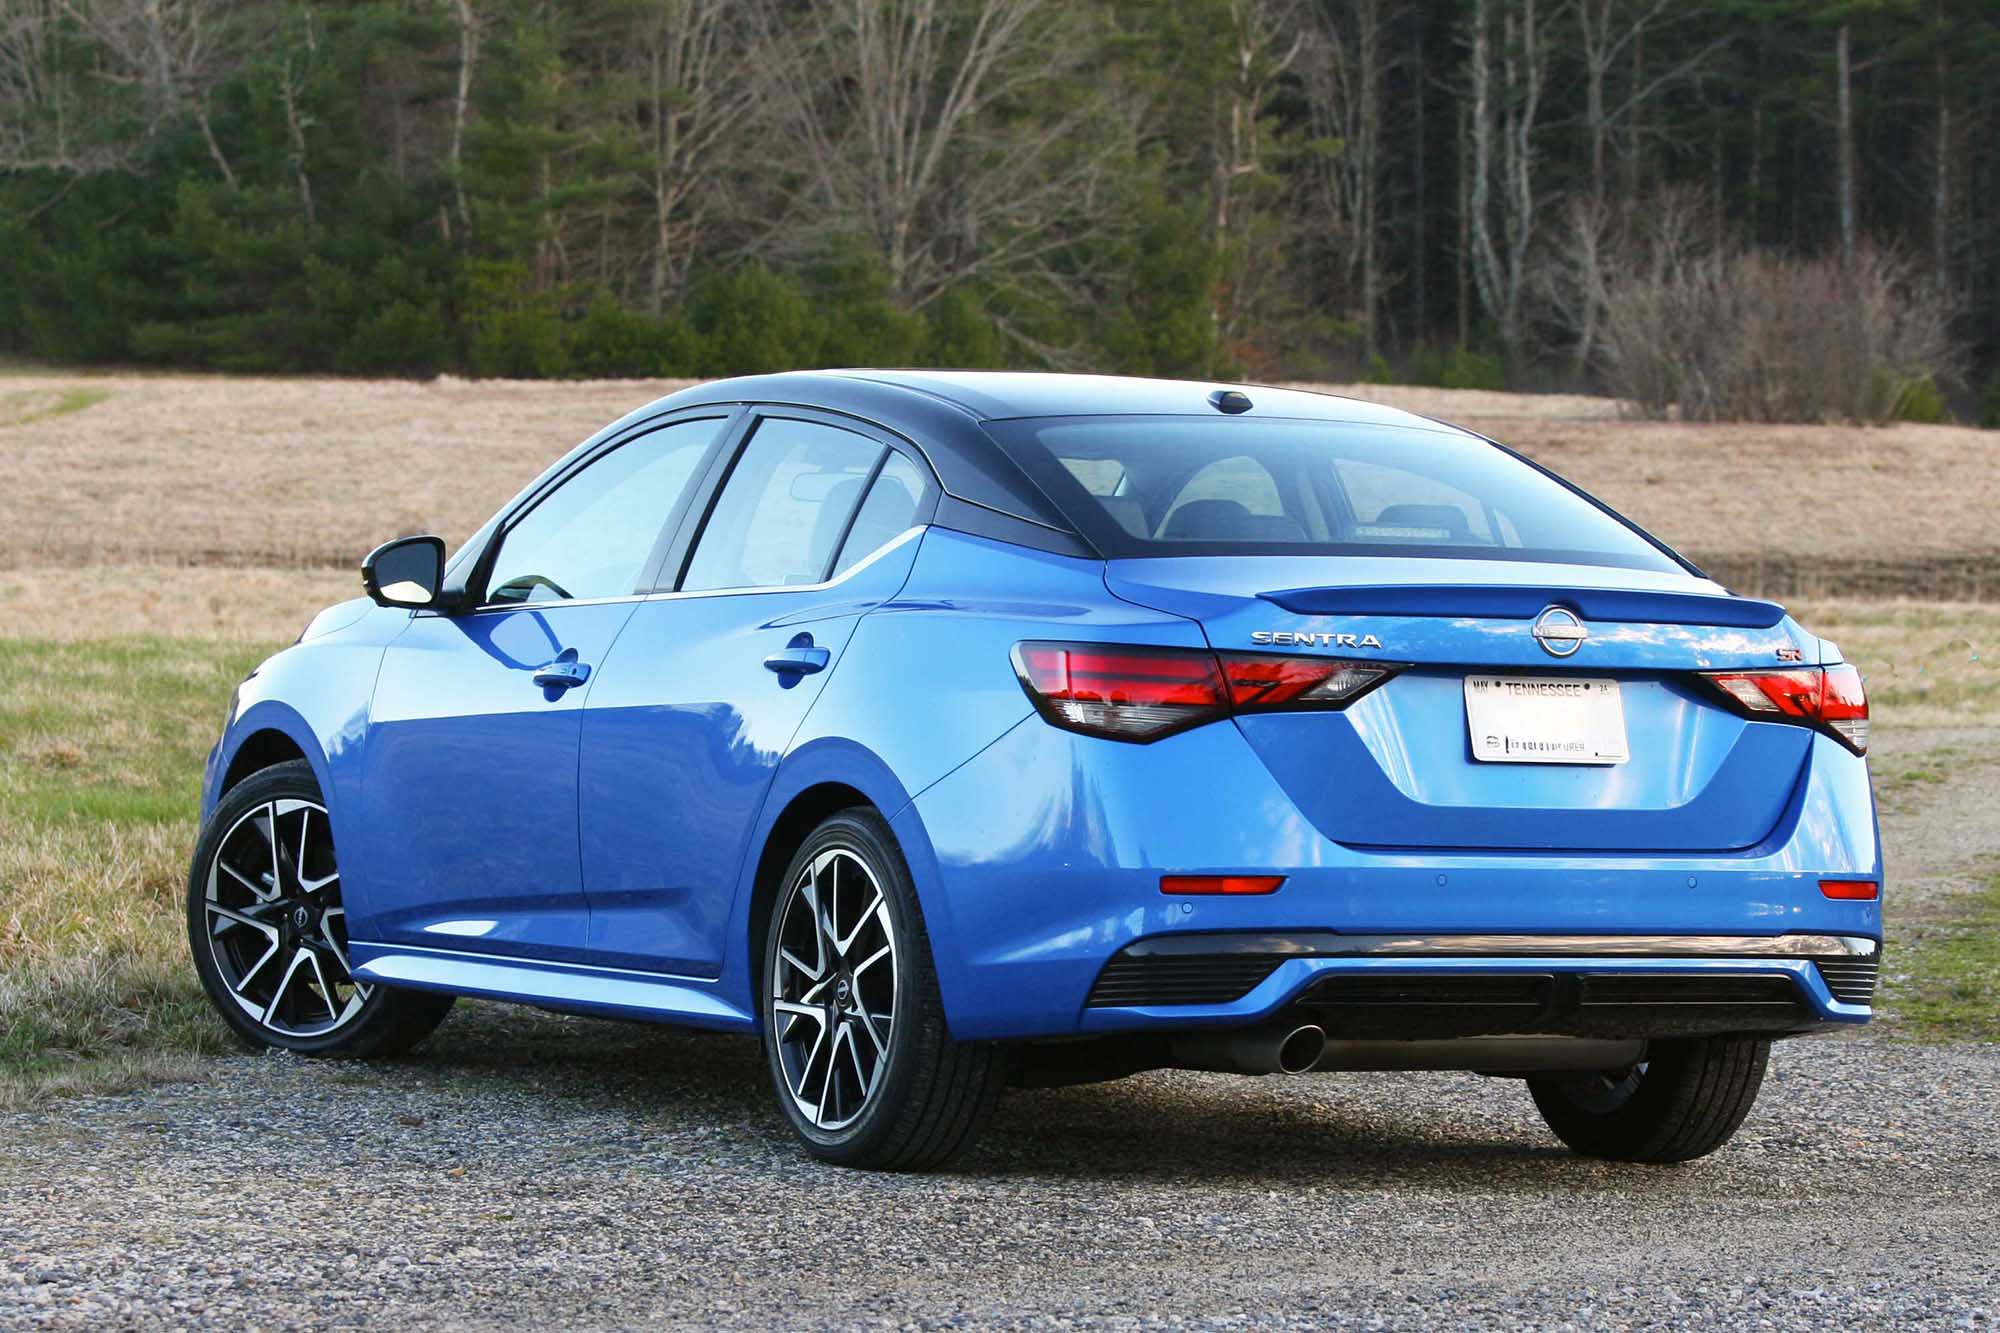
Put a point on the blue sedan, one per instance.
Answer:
(953, 731)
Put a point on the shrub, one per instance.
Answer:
(516, 331)
(1753, 336)
(1919, 399)
(611, 341)
(751, 320)
(1458, 368)
(1989, 403)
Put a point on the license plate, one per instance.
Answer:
(1545, 720)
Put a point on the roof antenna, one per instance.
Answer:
(1232, 401)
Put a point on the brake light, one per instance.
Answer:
(1830, 698)
(1269, 682)
(1142, 693)
(1133, 694)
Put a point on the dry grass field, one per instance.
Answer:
(161, 533)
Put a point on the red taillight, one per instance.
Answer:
(1831, 698)
(1125, 693)
(1141, 694)
(1257, 681)
(1853, 889)
(1212, 884)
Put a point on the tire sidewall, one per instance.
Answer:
(864, 836)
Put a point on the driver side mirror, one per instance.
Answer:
(407, 572)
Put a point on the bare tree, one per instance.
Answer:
(44, 123)
(692, 55)
(1345, 77)
(1509, 70)
(171, 52)
(891, 112)
(467, 22)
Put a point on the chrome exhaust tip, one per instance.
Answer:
(1300, 1051)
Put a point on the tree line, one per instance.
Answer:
(1471, 192)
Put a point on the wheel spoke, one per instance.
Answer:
(861, 1079)
(284, 984)
(319, 974)
(277, 854)
(236, 918)
(885, 951)
(874, 910)
(339, 950)
(792, 960)
(258, 966)
(868, 1026)
(264, 893)
(805, 1065)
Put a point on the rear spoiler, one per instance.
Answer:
(1488, 602)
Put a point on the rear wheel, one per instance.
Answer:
(1685, 1100)
(854, 1033)
(268, 928)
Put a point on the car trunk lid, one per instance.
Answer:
(1399, 766)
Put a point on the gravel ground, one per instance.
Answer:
(533, 1169)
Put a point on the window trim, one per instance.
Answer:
(476, 588)
(694, 521)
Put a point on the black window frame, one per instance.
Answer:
(476, 589)
(693, 522)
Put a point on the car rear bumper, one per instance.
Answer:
(1435, 987)
(1039, 865)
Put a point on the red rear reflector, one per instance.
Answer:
(1862, 889)
(1211, 884)
(1831, 699)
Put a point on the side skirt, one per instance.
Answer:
(574, 987)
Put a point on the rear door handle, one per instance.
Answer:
(802, 661)
(564, 673)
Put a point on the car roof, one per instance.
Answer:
(995, 395)
(941, 411)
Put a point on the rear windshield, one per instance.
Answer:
(1153, 486)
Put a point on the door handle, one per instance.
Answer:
(564, 673)
(803, 661)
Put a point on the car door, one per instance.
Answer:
(469, 769)
(700, 699)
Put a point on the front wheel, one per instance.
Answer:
(268, 928)
(1684, 1100)
(854, 1033)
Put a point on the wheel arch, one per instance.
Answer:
(805, 812)
(267, 733)
(814, 781)
(265, 748)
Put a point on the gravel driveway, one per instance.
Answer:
(527, 1168)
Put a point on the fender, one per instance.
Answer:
(818, 762)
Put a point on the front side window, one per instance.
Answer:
(592, 535)
(1194, 486)
(785, 507)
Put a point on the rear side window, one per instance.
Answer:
(888, 512)
(1239, 486)
(785, 507)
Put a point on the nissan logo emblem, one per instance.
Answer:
(1559, 632)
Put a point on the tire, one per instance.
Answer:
(922, 1098)
(1684, 1101)
(267, 929)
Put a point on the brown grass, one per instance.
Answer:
(272, 487)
